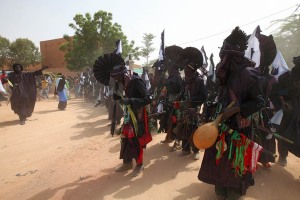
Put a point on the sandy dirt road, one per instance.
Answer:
(71, 155)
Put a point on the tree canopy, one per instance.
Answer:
(94, 36)
(147, 49)
(287, 37)
(21, 51)
(4, 51)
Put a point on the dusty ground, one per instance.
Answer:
(71, 155)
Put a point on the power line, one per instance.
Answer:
(283, 21)
(213, 35)
(296, 8)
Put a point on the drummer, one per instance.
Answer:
(238, 81)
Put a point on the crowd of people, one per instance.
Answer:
(22, 89)
(255, 106)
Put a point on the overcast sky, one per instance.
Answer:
(186, 22)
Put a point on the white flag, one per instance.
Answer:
(127, 62)
(211, 71)
(204, 56)
(253, 51)
(279, 66)
(162, 47)
(161, 55)
(118, 47)
(145, 77)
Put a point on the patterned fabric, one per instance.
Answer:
(246, 84)
(138, 97)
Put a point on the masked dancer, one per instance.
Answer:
(224, 167)
(193, 96)
(135, 134)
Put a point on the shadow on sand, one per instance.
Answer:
(9, 123)
(159, 168)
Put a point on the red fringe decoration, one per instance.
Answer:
(147, 137)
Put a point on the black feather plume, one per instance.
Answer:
(238, 38)
(104, 65)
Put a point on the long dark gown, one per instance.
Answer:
(245, 83)
(195, 95)
(263, 138)
(140, 97)
(110, 103)
(174, 86)
(23, 96)
(290, 123)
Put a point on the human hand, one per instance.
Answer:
(243, 123)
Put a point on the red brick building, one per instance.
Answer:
(53, 57)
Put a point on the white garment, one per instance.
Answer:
(2, 90)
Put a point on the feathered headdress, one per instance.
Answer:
(107, 65)
(234, 47)
(235, 43)
(172, 56)
(173, 53)
(192, 57)
(237, 38)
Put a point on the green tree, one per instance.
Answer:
(4, 51)
(24, 51)
(287, 37)
(93, 37)
(147, 49)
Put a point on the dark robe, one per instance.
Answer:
(246, 83)
(23, 92)
(139, 97)
(262, 139)
(110, 103)
(174, 85)
(267, 143)
(195, 91)
(209, 106)
(194, 96)
(290, 123)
